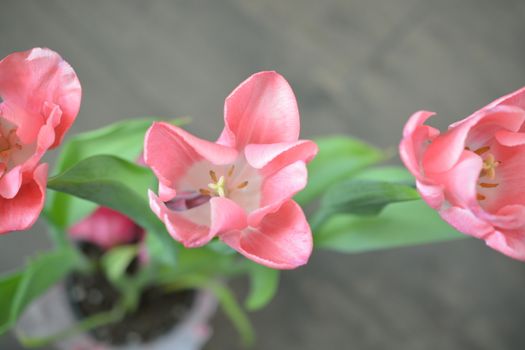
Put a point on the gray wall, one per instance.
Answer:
(357, 67)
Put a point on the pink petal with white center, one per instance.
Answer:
(197, 226)
(282, 241)
(272, 157)
(170, 151)
(262, 109)
(278, 189)
(21, 212)
(31, 79)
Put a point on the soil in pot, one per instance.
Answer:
(158, 312)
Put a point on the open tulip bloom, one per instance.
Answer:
(243, 184)
(192, 213)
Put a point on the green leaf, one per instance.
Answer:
(19, 289)
(200, 261)
(116, 261)
(118, 184)
(8, 286)
(124, 139)
(264, 283)
(361, 197)
(339, 157)
(386, 173)
(399, 224)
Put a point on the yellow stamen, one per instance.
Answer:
(487, 185)
(481, 150)
(230, 172)
(204, 192)
(219, 186)
(242, 185)
(213, 176)
(489, 167)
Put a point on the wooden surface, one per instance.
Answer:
(358, 67)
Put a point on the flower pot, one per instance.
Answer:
(53, 313)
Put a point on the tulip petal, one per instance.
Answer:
(21, 212)
(270, 158)
(460, 181)
(510, 243)
(107, 228)
(197, 226)
(478, 129)
(466, 222)
(282, 241)
(262, 109)
(416, 138)
(516, 98)
(278, 189)
(170, 151)
(11, 182)
(31, 79)
(509, 138)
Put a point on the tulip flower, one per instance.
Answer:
(40, 96)
(107, 228)
(238, 188)
(472, 174)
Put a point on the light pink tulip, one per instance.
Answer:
(40, 96)
(474, 173)
(240, 187)
(107, 228)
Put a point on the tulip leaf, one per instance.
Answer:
(118, 184)
(116, 261)
(361, 197)
(8, 286)
(264, 283)
(124, 139)
(339, 158)
(386, 173)
(18, 289)
(399, 224)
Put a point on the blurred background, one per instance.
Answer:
(357, 67)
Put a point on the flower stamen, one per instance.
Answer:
(487, 185)
(213, 176)
(242, 185)
(230, 172)
(8, 144)
(204, 192)
(489, 166)
(482, 150)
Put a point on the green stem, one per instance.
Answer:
(95, 321)
(227, 300)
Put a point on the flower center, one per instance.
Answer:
(8, 144)
(219, 186)
(488, 171)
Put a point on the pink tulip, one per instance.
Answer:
(473, 173)
(240, 187)
(40, 96)
(107, 228)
